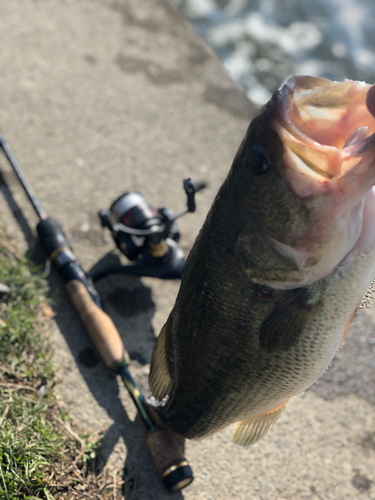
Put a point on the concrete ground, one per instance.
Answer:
(98, 97)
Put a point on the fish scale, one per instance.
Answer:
(278, 269)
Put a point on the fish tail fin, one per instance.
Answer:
(160, 379)
(250, 430)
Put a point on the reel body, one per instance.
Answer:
(147, 236)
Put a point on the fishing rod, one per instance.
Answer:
(172, 466)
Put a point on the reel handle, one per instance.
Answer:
(191, 187)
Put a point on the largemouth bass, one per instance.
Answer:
(279, 268)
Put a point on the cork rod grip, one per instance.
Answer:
(98, 324)
(166, 448)
(169, 459)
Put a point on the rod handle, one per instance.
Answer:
(166, 447)
(163, 443)
(99, 325)
(170, 462)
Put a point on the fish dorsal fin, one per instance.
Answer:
(250, 430)
(160, 379)
(284, 325)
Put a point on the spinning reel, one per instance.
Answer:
(147, 236)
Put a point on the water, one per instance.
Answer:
(262, 42)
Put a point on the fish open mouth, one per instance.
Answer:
(325, 126)
(328, 132)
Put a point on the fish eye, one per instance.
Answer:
(258, 162)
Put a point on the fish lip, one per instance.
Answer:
(282, 99)
(325, 161)
(363, 148)
(279, 102)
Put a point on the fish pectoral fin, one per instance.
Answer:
(160, 379)
(250, 430)
(284, 325)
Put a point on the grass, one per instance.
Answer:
(22, 345)
(28, 442)
(41, 455)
